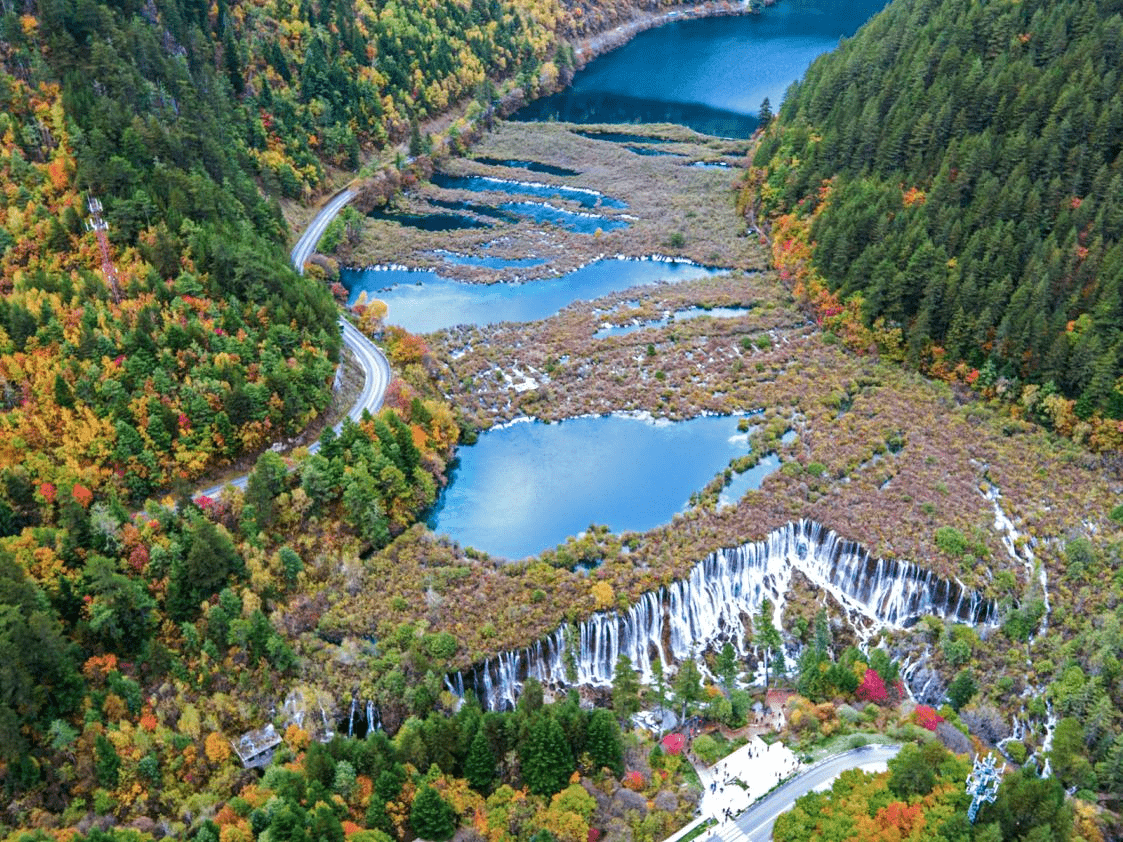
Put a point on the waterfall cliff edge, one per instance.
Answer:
(712, 605)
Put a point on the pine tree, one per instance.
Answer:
(765, 115)
(209, 562)
(727, 666)
(479, 766)
(107, 762)
(822, 634)
(688, 684)
(659, 686)
(431, 816)
(603, 743)
(547, 761)
(767, 637)
(625, 689)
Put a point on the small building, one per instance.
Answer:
(255, 748)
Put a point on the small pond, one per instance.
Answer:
(484, 183)
(532, 166)
(430, 221)
(677, 316)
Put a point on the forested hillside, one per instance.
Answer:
(188, 121)
(208, 343)
(956, 167)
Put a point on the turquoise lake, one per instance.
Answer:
(422, 301)
(525, 488)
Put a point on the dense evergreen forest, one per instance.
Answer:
(959, 164)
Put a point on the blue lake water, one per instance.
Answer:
(533, 166)
(579, 223)
(748, 480)
(481, 183)
(475, 208)
(721, 68)
(527, 487)
(677, 316)
(489, 262)
(422, 301)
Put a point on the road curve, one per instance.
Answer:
(755, 824)
(376, 368)
(306, 245)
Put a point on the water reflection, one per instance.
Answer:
(526, 487)
(422, 301)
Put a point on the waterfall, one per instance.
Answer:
(1020, 548)
(362, 719)
(713, 603)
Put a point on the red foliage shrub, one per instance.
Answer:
(926, 717)
(899, 816)
(872, 688)
(138, 558)
(633, 780)
(673, 743)
(82, 495)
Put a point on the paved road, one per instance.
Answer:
(376, 368)
(755, 824)
(311, 236)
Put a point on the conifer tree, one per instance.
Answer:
(659, 686)
(727, 666)
(767, 637)
(479, 766)
(431, 816)
(688, 684)
(603, 743)
(547, 761)
(625, 689)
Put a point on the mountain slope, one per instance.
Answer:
(975, 197)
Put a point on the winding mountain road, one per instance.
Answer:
(755, 824)
(375, 366)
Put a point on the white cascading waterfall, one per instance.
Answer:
(712, 604)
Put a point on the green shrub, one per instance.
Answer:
(1017, 751)
(951, 540)
(708, 749)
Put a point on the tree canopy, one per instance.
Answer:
(959, 167)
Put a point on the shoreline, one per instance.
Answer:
(590, 47)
